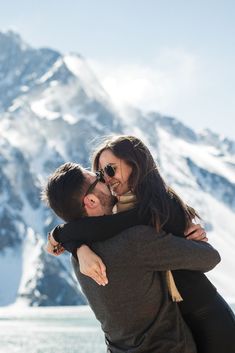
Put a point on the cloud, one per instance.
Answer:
(178, 83)
(168, 84)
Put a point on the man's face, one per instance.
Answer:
(102, 192)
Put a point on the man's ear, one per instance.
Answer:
(91, 201)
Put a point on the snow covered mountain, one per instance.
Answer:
(52, 110)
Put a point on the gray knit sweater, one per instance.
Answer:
(134, 309)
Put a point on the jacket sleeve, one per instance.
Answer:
(91, 229)
(164, 251)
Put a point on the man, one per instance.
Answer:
(134, 309)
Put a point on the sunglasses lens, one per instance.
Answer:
(109, 170)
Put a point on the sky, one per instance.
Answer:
(174, 57)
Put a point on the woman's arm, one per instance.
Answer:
(91, 265)
(72, 235)
(91, 229)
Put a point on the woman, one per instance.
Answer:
(131, 172)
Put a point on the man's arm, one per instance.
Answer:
(161, 252)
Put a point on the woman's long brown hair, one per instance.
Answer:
(152, 193)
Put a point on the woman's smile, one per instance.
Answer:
(119, 181)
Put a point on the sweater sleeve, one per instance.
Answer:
(91, 229)
(167, 252)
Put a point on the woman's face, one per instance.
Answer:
(119, 182)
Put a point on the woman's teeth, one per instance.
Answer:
(114, 185)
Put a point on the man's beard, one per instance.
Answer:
(106, 201)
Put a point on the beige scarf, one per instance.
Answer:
(127, 201)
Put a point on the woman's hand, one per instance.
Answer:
(53, 247)
(91, 265)
(196, 232)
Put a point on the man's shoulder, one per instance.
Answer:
(139, 232)
(133, 238)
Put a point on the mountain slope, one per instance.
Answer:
(52, 110)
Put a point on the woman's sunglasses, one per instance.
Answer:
(109, 170)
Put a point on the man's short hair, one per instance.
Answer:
(64, 191)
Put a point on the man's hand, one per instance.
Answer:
(196, 232)
(91, 265)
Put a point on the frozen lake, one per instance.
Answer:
(50, 330)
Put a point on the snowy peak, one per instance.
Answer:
(174, 127)
(21, 67)
(50, 85)
(79, 67)
(225, 145)
(11, 42)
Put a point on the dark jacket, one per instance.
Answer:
(134, 309)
